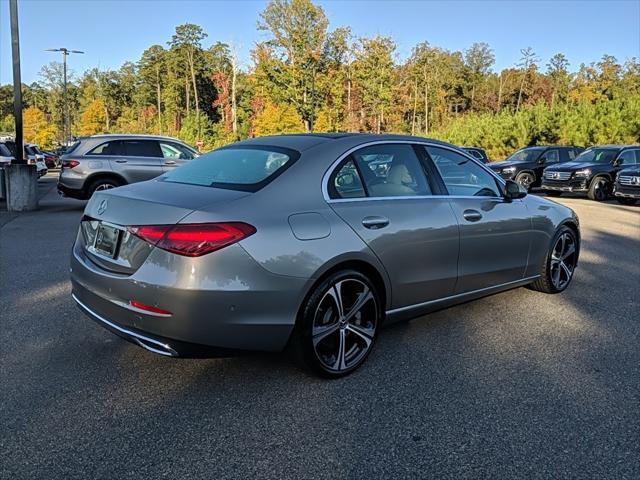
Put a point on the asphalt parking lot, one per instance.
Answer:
(517, 385)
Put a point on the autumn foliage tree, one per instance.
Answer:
(310, 76)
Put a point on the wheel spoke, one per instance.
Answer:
(566, 270)
(335, 293)
(363, 333)
(363, 298)
(320, 333)
(555, 276)
(570, 251)
(339, 363)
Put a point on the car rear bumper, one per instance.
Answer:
(71, 192)
(219, 305)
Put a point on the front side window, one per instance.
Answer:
(628, 157)
(175, 151)
(527, 155)
(461, 176)
(391, 170)
(237, 168)
(572, 153)
(552, 156)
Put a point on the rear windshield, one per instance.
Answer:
(71, 148)
(246, 168)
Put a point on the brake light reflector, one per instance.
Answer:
(193, 239)
(148, 308)
(70, 163)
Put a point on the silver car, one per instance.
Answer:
(101, 162)
(311, 242)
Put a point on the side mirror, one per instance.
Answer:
(542, 159)
(513, 190)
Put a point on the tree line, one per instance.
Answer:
(306, 77)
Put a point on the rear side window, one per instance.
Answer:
(141, 148)
(346, 182)
(107, 148)
(246, 168)
(391, 170)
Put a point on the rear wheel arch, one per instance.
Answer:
(93, 178)
(362, 266)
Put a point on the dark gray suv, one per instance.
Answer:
(102, 162)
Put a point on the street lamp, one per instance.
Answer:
(65, 53)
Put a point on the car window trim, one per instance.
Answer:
(335, 163)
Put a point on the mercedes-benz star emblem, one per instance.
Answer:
(102, 207)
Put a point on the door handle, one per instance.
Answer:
(472, 215)
(169, 162)
(121, 161)
(375, 222)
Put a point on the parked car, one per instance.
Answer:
(35, 157)
(627, 184)
(592, 172)
(101, 162)
(6, 157)
(51, 159)
(31, 154)
(477, 153)
(526, 165)
(305, 241)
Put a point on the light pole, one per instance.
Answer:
(65, 54)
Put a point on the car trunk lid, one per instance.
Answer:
(110, 245)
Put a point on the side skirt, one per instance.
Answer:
(412, 311)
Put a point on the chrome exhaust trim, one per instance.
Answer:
(147, 343)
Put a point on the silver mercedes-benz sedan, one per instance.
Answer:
(311, 242)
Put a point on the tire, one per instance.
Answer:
(599, 189)
(104, 183)
(552, 193)
(626, 201)
(559, 264)
(526, 179)
(323, 339)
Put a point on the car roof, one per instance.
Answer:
(619, 147)
(305, 141)
(124, 136)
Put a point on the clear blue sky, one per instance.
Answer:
(112, 32)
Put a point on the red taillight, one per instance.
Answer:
(148, 308)
(70, 163)
(193, 239)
